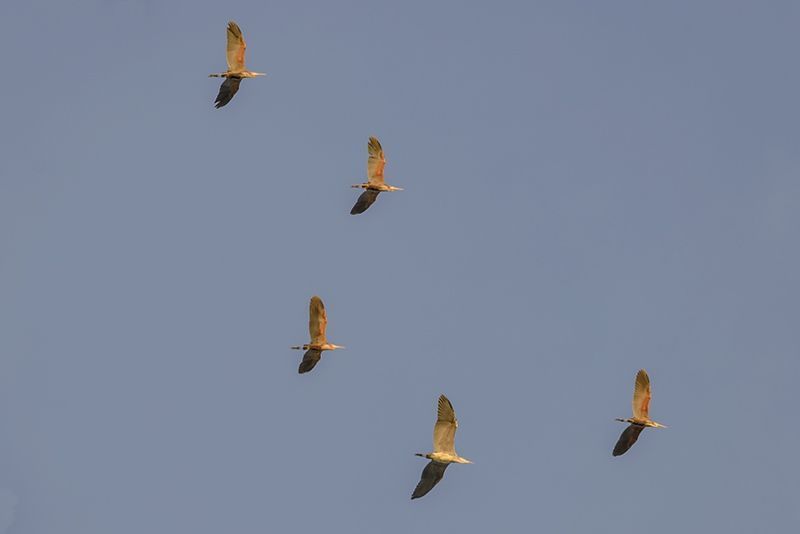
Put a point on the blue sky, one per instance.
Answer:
(590, 188)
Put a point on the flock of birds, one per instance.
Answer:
(444, 430)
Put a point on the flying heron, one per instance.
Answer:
(374, 184)
(317, 323)
(444, 450)
(236, 69)
(641, 415)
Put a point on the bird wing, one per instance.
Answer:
(236, 48)
(317, 321)
(226, 91)
(310, 359)
(444, 431)
(376, 161)
(365, 200)
(627, 439)
(641, 396)
(431, 476)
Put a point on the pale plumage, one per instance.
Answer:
(640, 404)
(444, 431)
(375, 162)
(317, 321)
(375, 184)
(641, 415)
(444, 450)
(235, 53)
(236, 47)
(317, 325)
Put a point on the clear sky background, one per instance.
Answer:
(590, 188)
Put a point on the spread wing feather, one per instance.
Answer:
(236, 48)
(444, 431)
(641, 396)
(627, 439)
(365, 200)
(431, 476)
(317, 321)
(376, 161)
(310, 359)
(226, 91)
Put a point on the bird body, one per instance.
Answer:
(243, 74)
(317, 325)
(377, 187)
(236, 68)
(641, 415)
(444, 458)
(444, 451)
(375, 183)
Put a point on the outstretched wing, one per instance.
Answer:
(226, 91)
(641, 396)
(431, 476)
(236, 48)
(627, 439)
(310, 359)
(317, 321)
(376, 161)
(444, 431)
(364, 201)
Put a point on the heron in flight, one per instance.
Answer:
(444, 450)
(317, 323)
(236, 69)
(374, 184)
(641, 415)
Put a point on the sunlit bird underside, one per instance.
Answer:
(317, 324)
(444, 450)
(236, 68)
(641, 415)
(375, 183)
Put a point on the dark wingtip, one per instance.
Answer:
(357, 209)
